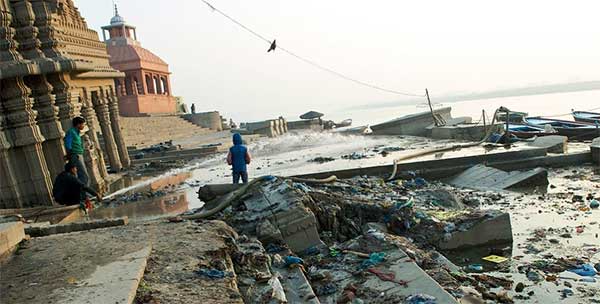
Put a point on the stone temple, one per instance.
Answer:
(146, 87)
(52, 68)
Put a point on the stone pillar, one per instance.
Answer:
(87, 111)
(26, 157)
(94, 165)
(67, 99)
(9, 196)
(113, 106)
(48, 123)
(102, 112)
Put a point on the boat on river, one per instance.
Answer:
(526, 131)
(574, 130)
(588, 117)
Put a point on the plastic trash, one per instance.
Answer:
(213, 273)
(475, 267)
(420, 182)
(534, 276)
(374, 259)
(449, 227)
(421, 298)
(587, 280)
(278, 293)
(585, 270)
(291, 260)
(594, 204)
(376, 234)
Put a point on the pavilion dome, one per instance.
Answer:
(117, 19)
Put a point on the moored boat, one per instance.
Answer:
(572, 129)
(343, 123)
(414, 124)
(589, 117)
(526, 131)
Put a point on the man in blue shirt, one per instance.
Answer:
(238, 158)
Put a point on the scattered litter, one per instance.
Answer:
(387, 276)
(292, 260)
(213, 273)
(495, 259)
(421, 299)
(584, 270)
(475, 267)
(278, 293)
(374, 259)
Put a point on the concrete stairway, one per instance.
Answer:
(147, 131)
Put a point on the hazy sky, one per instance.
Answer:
(446, 46)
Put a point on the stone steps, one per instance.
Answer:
(147, 131)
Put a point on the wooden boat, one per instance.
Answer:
(414, 124)
(589, 117)
(343, 123)
(572, 129)
(526, 131)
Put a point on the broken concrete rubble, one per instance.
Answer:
(481, 177)
(339, 233)
(552, 143)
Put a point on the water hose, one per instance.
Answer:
(229, 198)
(444, 149)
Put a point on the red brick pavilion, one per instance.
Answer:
(146, 88)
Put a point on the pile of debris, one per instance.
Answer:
(361, 240)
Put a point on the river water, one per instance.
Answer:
(557, 105)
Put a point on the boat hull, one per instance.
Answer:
(414, 124)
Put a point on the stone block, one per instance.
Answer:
(74, 227)
(595, 148)
(485, 178)
(497, 229)
(552, 143)
(11, 234)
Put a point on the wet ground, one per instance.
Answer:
(547, 223)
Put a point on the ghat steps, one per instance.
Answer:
(150, 130)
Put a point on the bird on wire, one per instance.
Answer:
(273, 46)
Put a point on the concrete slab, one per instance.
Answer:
(407, 270)
(114, 283)
(485, 178)
(595, 148)
(471, 132)
(11, 234)
(552, 143)
(497, 229)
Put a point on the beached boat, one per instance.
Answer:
(343, 123)
(583, 116)
(414, 124)
(572, 129)
(526, 131)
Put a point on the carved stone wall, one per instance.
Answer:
(52, 68)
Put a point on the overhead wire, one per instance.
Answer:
(308, 61)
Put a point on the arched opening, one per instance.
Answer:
(128, 88)
(149, 84)
(165, 85)
(158, 86)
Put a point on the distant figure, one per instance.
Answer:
(273, 46)
(74, 148)
(232, 124)
(193, 108)
(239, 158)
(68, 188)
